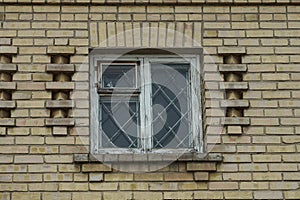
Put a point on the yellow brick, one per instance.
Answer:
(43, 187)
(68, 168)
(208, 195)
(5, 159)
(103, 186)
(27, 177)
(22, 41)
(56, 195)
(59, 158)
(254, 185)
(29, 122)
(178, 176)
(87, 195)
(147, 195)
(148, 177)
(130, 9)
(57, 177)
(40, 113)
(60, 33)
(26, 196)
(43, 149)
(267, 176)
(31, 33)
(74, 9)
(133, 186)
(18, 131)
(81, 177)
(41, 131)
(29, 159)
(60, 140)
(73, 186)
(31, 104)
(60, 50)
(283, 185)
(117, 195)
(237, 158)
(158, 186)
(42, 168)
(118, 177)
(291, 194)
(238, 195)
(29, 140)
(41, 95)
(95, 168)
(268, 195)
(237, 176)
(5, 196)
(223, 185)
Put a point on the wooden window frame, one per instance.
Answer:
(144, 77)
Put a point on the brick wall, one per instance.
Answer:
(260, 150)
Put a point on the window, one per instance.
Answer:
(145, 103)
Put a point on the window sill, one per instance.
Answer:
(148, 157)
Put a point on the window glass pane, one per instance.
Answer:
(170, 106)
(119, 123)
(118, 75)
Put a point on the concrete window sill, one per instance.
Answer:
(147, 157)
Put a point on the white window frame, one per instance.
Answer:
(145, 95)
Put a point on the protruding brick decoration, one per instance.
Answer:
(230, 51)
(232, 59)
(59, 59)
(235, 103)
(61, 87)
(58, 113)
(234, 86)
(227, 68)
(6, 86)
(233, 95)
(60, 95)
(236, 121)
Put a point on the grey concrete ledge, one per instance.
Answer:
(147, 157)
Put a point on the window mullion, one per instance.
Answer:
(196, 105)
(95, 111)
(147, 105)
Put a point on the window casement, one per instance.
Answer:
(145, 103)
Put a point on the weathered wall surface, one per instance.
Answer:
(261, 150)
